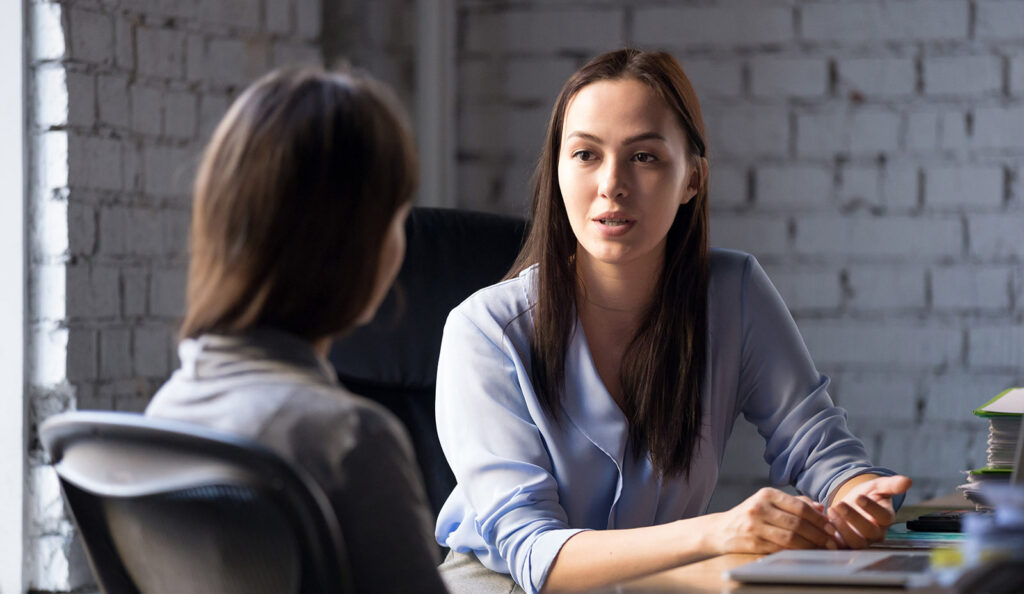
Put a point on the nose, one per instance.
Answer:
(612, 184)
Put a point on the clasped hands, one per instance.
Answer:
(771, 520)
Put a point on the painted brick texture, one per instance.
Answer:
(124, 96)
(869, 153)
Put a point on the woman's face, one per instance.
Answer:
(623, 170)
(392, 252)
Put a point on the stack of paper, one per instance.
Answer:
(1004, 415)
(1002, 441)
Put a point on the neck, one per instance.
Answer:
(322, 346)
(620, 292)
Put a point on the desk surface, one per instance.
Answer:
(706, 576)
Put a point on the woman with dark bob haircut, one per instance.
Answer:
(585, 402)
(297, 233)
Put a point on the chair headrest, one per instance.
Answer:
(450, 254)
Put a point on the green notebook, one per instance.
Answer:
(987, 470)
(1008, 403)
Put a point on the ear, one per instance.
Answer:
(693, 182)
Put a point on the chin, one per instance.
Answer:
(604, 250)
(611, 257)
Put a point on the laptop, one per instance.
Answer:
(862, 568)
(865, 567)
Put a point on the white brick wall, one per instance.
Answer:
(842, 131)
(996, 236)
(951, 397)
(784, 77)
(1017, 75)
(886, 287)
(999, 19)
(996, 347)
(972, 288)
(124, 96)
(715, 77)
(808, 289)
(876, 398)
(747, 131)
(867, 22)
(998, 127)
(878, 238)
(969, 76)
(878, 77)
(790, 186)
(869, 152)
(959, 187)
(376, 35)
(533, 31)
(749, 24)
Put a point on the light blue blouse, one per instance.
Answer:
(526, 484)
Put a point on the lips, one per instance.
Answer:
(612, 218)
(613, 224)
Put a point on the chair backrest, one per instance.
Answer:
(450, 254)
(164, 506)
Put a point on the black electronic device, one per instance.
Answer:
(942, 521)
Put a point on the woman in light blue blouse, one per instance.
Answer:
(585, 402)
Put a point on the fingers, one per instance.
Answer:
(812, 525)
(763, 546)
(785, 538)
(800, 507)
(851, 538)
(862, 521)
(881, 513)
(805, 535)
(800, 517)
(866, 512)
(857, 530)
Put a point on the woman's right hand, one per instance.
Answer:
(769, 521)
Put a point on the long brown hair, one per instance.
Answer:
(292, 201)
(662, 371)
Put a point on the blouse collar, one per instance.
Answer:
(589, 404)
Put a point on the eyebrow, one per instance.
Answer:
(630, 140)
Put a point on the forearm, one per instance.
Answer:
(597, 558)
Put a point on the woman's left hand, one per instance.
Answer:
(863, 511)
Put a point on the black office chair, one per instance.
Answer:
(450, 255)
(169, 507)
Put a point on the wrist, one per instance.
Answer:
(705, 531)
(840, 492)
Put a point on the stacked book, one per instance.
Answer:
(1004, 414)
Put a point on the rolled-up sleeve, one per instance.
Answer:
(488, 430)
(808, 443)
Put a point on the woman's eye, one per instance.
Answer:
(644, 158)
(583, 155)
